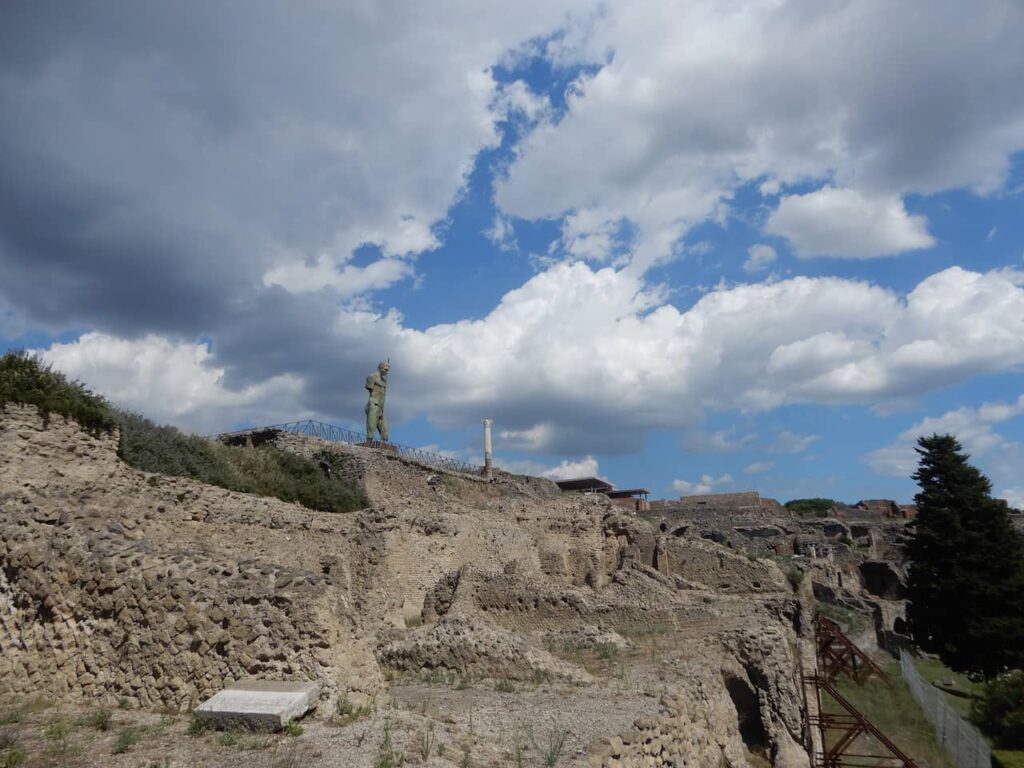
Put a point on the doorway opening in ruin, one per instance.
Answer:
(748, 712)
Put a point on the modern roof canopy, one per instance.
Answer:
(625, 493)
(586, 485)
(597, 485)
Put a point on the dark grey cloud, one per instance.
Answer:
(160, 158)
(163, 161)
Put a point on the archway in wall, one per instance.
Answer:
(748, 713)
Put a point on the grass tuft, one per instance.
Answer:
(126, 739)
(347, 712)
(98, 719)
(425, 742)
(228, 738)
(11, 753)
(387, 755)
(197, 727)
(505, 686)
(553, 745)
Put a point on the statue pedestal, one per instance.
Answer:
(380, 445)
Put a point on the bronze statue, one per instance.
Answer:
(377, 386)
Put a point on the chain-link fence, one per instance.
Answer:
(966, 746)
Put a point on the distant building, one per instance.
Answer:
(878, 509)
(744, 500)
(634, 499)
(631, 498)
(740, 503)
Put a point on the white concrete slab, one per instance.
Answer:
(259, 704)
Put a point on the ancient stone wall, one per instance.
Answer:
(118, 584)
(122, 585)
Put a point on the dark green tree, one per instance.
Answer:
(1000, 710)
(966, 582)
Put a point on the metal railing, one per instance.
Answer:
(963, 742)
(336, 434)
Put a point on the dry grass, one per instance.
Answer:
(896, 714)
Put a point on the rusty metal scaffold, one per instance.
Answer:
(846, 738)
(838, 655)
(849, 738)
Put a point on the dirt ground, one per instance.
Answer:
(458, 721)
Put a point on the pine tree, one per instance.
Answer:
(966, 583)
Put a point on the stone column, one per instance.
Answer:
(488, 459)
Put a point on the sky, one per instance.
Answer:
(690, 246)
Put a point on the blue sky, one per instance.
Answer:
(691, 246)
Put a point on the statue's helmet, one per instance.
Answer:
(383, 365)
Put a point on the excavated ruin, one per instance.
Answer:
(652, 649)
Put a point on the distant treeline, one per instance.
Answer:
(166, 450)
(817, 506)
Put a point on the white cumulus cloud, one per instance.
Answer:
(790, 442)
(569, 469)
(706, 484)
(1014, 497)
(691, 100)
(760, 256)
(847, 224)
(172, 382)
(973, 427)
(579, 360)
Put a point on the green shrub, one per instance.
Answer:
(126, 739)
(1000, 710)
(168, 451)
(290, 477)
(265, 471)
(817, 506)
(24, 378)
(292, 728)
(795, 577)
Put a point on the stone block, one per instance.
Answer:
(265, 705)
